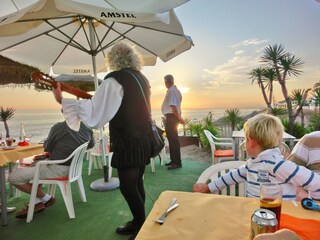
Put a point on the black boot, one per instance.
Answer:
(127, 229)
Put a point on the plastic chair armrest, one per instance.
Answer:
(225, 139)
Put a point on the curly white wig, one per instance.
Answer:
(123, 56)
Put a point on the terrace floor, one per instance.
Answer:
(103, 211)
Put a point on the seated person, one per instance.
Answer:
(307, 153)
(263, 135)
(61, 142)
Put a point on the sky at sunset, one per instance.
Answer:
(229, 38)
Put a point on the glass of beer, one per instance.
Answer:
(271, 198)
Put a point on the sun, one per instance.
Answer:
(184, 90)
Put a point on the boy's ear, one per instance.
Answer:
(253, 143)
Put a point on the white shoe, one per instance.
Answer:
(9, 209)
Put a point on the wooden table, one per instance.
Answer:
(208, 216)
(9, 156)
(238, 136)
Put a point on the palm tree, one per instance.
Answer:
(186, 121)
(278, 111)
(284, 65)
(233, 116)
(257, 75)
(5, 115)
(300, 95)
(316, 97)
(270, 75)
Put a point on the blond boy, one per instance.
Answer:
(263, 135)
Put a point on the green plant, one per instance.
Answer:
(316, 97)
(184, 126)
(277, 111)
(198, 128)
(5, 115)
(299, 130)
(314, 122)
(233, 117)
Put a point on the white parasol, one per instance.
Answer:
(73, 36)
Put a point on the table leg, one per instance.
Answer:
(10, 185)
(236, 149)
(4, 214)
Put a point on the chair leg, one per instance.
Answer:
(109, 163)
(18, 193)
(65, 189)
(99, 163)
(52, 189)
(163, 156)
(32, 202)
(81, 190)
(153, 169)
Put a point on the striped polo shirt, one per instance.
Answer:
(307, 152)
(270, 166)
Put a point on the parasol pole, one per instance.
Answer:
(108, 182)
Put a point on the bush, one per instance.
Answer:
(298, 129)
(314, 122)
(199, 127)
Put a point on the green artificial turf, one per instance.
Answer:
(103, 211)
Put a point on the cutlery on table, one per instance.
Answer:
(173, 205)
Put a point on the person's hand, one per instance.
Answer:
(57, 93)
(201, 188)
(301, 194)
(283, 234)
(181, 121)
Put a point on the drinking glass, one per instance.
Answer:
(9, 141)
(271, 198)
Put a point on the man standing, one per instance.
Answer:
(171, 109)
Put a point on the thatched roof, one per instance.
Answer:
(15, 73)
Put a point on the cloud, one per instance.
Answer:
(249, 42)
(235, 70)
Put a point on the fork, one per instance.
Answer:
(173, 204)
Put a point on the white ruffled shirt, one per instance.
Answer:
(97, 111)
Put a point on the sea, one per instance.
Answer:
(37, 123)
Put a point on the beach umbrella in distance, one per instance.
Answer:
(73, 37)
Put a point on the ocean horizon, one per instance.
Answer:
(37, 123)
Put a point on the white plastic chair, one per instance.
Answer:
(94, 154)
(243, 155)
(285, 149)
(219, 155)
(64, 183)
(219, 169)
(162, 157)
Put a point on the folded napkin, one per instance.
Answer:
(305, 228)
